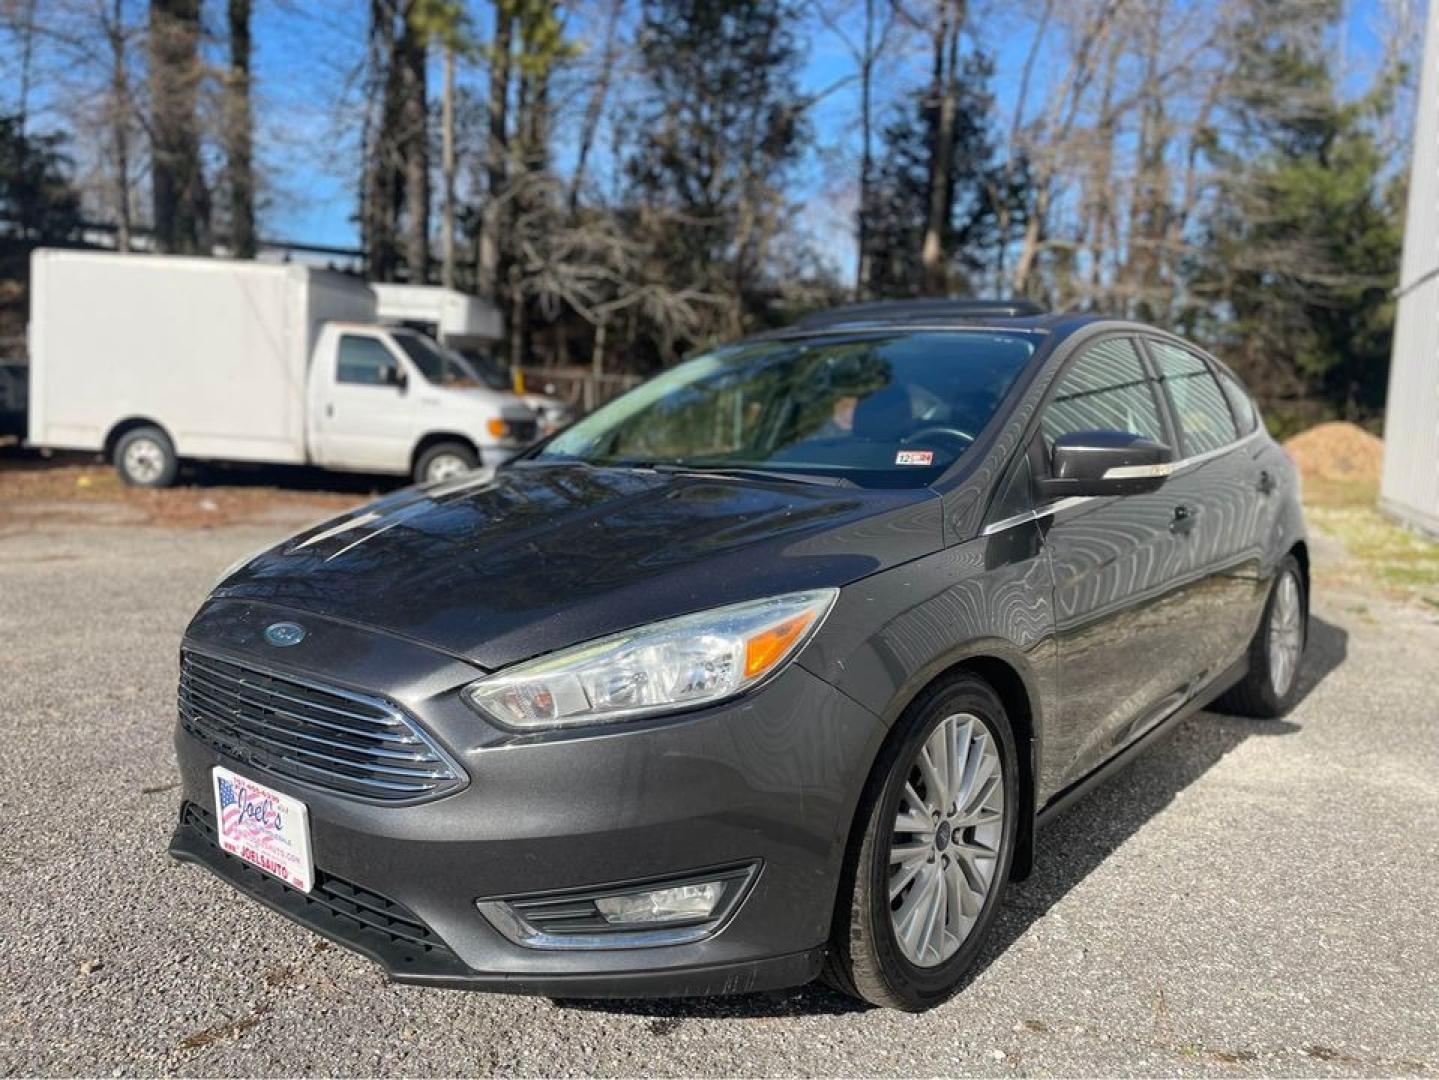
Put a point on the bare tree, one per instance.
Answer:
(118, 116)
(866, 53)
(414, 143)
(497, 151)
(599, 93)
(447, 171)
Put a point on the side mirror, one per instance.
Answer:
(395, 376)
(1105, 463)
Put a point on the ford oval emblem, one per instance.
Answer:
(284, 634)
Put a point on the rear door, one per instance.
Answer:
(364, 419)
(1220, 488)
(1122, 605)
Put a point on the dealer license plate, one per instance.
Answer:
(266, 828)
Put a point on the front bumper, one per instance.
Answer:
(772, 778)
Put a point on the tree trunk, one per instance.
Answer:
(380, 209)
(595, 109)
(415, 147)
(447, 169)
(497, 152)
(239, 134)
(118, 117)
(26, 30)
(518, 327)
(866, 155)
(1029, 249)
(181, 201)
(941, 148)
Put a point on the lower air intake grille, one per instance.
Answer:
(330, 738)
(357, 917)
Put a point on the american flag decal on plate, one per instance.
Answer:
(265, 827)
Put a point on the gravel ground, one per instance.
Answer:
(1251, 898)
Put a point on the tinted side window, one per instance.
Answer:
(1105, 388)
(1240, 401)
(363, 361)
(1205, 421)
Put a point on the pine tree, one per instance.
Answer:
(1304, 241)
(721, 129)
(975, 188)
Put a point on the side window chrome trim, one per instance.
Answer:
(1035, 515)
(1218, 451)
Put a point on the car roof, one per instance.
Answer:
(942, 314)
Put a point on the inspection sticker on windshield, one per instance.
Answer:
(914, 457)
(265, 828)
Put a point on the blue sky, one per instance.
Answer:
(306, 55)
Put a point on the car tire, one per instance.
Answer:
(145, 457)
(444, 461)
(870, 958)
(1271, 686)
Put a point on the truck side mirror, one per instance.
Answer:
(396, 377)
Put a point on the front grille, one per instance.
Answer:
(375, 925)
(329, 738)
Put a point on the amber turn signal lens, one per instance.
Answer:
(764, 650)
(498, 428)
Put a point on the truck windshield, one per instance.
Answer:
(437, 365)
(490, 371)
(880, 410)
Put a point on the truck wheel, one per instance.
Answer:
(444, 461)
(145, 457)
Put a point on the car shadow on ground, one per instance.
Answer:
(1066, 851)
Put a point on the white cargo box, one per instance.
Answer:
(214, 351)
(447, 315)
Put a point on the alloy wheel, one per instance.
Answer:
(946, 840)
(1286, 634)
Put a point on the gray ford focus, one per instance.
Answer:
(768, 670)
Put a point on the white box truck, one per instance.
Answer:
(153, 360)
(471, 327)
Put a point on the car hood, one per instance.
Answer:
(499, 568)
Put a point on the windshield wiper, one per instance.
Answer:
(672, 468)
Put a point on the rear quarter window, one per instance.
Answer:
(1202, 409)
(1246, 415)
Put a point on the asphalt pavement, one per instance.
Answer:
(1249, 898)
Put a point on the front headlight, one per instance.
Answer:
(678, 663)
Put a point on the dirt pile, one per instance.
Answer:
(1337, 452)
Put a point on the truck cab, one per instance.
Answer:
(388, 399)
(470, 326)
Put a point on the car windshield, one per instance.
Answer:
(891, 410)
(438, 365)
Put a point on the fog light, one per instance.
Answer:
(662, 905)
(664, 911)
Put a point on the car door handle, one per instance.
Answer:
(329, 409)
(1183, 520)
(1265, 484)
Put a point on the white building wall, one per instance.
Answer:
(1409, 488)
